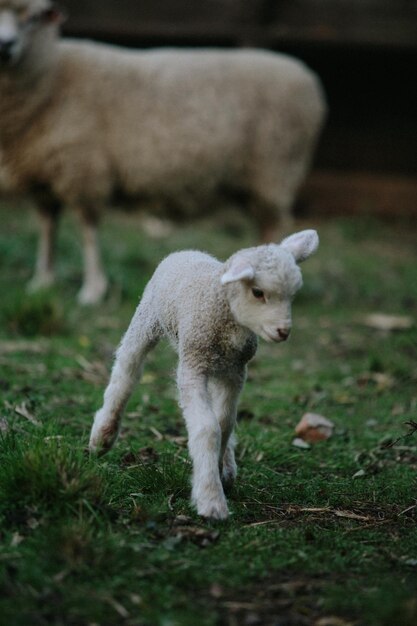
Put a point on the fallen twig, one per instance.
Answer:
(413, 428)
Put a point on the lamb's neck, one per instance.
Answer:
(228, 321)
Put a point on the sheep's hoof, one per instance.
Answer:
(39, 282)
(93, 293)
(214, 510)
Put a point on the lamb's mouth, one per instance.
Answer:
(270, 336)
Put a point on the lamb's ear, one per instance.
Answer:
(240, 269)
(302, 244)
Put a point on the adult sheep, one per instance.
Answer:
(82, 121)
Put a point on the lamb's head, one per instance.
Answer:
(261, 282)
(23, 25)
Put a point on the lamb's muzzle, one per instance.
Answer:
(211, 312)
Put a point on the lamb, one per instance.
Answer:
(82, 123)
(211, 312)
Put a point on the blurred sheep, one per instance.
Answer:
(83, 122)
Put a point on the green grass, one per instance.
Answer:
(114, 541)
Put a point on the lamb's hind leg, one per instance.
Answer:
(141, 336)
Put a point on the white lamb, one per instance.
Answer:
(211, 312)
(82, 123)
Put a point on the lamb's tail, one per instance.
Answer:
(141, 336)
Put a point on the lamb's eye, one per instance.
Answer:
(258, 293)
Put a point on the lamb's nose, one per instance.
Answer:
(283, 333)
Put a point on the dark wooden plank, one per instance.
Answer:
(260, 22)
(348, 193)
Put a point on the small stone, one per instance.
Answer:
(300, 443)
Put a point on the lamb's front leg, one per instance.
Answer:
(225, 396)
(204, 443)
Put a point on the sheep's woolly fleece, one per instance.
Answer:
(81, 122)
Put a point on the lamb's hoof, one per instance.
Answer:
(92, 294)
(215, 509)
(97, 447)
(100, 442)
(229, 476)
(102, 437)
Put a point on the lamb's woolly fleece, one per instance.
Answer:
(189, 306)
(81, 121)
(211, 312)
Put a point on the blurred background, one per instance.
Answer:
(365, 52)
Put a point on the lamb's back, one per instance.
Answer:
(185, 290)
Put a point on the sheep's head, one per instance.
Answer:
(261, 282)
(23, 23)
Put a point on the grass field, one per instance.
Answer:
(324, 537)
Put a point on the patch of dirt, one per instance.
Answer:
(144, 456)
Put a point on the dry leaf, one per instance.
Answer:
(381, 321)
(351, 515)
(22, 410)
(16, 539)
(156, 432)
(313, 427)
(135, 599)
(94, 372)
(144, 456)
(119, 608)
(60, 576)
(382, 381)
(332, 620)
(216, 591)
(198, 535)
(10, 347)
(147, 378)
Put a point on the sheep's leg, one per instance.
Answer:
(274, 220)
(44, 270)
(95, 282)
(141, 336)
(225, 396)
(204, 443)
